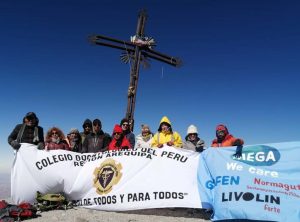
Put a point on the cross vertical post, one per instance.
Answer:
(134, 72)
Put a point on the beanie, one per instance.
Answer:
(117, 129)
(145, 126)
(74, 130)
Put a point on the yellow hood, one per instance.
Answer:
(165, 120)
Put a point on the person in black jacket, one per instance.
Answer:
(127, 132)
(27, 132)
(98, 141)
(87, 129)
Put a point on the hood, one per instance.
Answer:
(165, 120)
(222, 127)
(31, 115)
(87, 122)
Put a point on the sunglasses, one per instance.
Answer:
(125, 124)
(54, 133)
(87, 126)
(117, 133)
(220, 132)
(193, 134)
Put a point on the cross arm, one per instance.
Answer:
(108, 41)
(162, 57)
(114, 46)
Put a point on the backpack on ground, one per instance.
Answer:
(49, 201)
(4, 213)
(10, 212)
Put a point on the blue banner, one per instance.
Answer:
(262, 184)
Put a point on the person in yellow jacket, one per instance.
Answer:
(165, 135)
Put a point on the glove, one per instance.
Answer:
(160, 145)
(15, 144)
(170, 143)
(200, 146)
(199, 149)
(237, 142)
(238, 152)
(41, 146)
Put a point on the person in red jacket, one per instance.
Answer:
(119, 141)
(224, 138)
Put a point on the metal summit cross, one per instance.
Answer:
(138, 50)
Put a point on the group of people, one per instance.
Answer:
(93, 139)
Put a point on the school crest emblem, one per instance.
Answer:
(106, 176)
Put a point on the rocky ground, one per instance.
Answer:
(162, 215)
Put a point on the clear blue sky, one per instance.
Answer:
(240, 66)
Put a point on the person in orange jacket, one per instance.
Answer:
(224, 138)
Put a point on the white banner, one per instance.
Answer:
(115, 180)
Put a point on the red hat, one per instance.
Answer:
(117, 129)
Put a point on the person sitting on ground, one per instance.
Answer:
(27, 132)
(74, 140)
(55, 140)
(119, 141)
(87, 129)
(98, 141)
(165, 135)
(224, 138)
(192, 141)
(127, 132)
(143, 140)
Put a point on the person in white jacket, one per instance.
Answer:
(143, 140)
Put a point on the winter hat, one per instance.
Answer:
(145, 127)
(117, 129)
(192, 129)
(97, 122)
(87, 122)
(73, 130)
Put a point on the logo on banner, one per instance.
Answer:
(259, 155)
(106, 176)
(222, 180)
